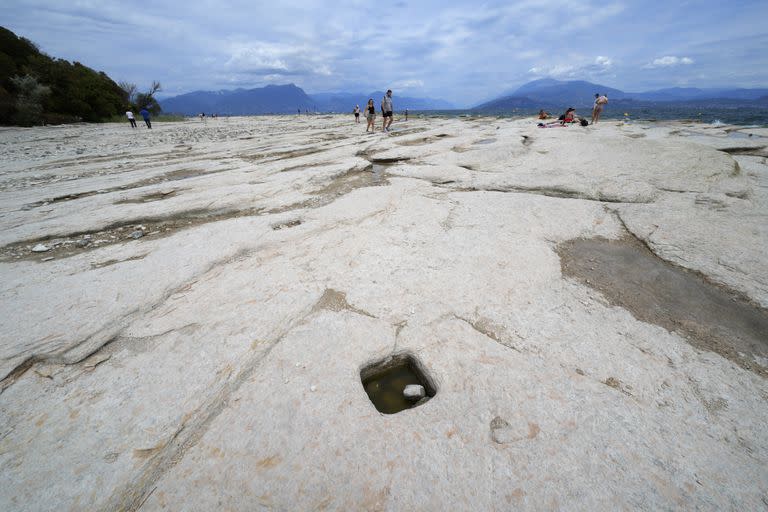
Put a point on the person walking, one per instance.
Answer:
(145, 114)
(370, 115)
(357, 113)
(131, 119)
(386, 110)
(598, 107)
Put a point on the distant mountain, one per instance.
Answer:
(285, 99)
(272, 99)
(550, 93)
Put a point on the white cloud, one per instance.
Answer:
(581, 69)
(409, 84)
(275, 59)
(604, 62)
(669, 61)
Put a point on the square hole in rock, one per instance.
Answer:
(386, 381)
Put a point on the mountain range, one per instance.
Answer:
(548, 93)
(285, 99)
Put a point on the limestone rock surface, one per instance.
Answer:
(213, 363)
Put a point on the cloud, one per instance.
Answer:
(604, 62)
(460, 50)
(669, 61)
(274, 59)
(582, 69)
(408, 84)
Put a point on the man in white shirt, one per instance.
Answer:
(131, 119)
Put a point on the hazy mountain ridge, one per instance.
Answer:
(285, 99)
(547, 93)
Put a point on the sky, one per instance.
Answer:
(465, 52)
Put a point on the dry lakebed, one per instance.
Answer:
(222, 315)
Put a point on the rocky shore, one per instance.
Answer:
(185, 314)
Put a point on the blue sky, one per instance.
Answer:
(461, 51)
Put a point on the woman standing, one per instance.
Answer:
(357, 113)
(370, 115)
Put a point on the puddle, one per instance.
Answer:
(654, 291)
(385, 381)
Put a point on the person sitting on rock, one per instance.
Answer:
(569, 116)
(543, 114)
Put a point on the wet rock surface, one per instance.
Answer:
(555, 285)
(631, 276)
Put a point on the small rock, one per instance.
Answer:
(87, 237)
(313, 388)
(137, 234)
(82, 243)
(41, 248)
(414, 392)
(49, 258)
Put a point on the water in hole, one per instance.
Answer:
(385, 388)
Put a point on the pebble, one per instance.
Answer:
(41, 248)
(313, 388)
(49, 258)
(137, 234)
(414, 392)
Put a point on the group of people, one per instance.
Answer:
(144, 114)
(370, 113)
(570, 116)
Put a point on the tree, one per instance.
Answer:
(130, 91)
(29, 99)
(147, 99)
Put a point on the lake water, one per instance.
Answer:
(750, 115)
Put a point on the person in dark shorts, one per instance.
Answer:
(357, 113)
(131, 119)
(145, 114)
(370, 115)
(386, 110)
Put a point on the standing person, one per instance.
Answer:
(598, 107)
(406, 114)
(386, 110)
(357, 113)
(131, 119)
(370, 115)
(145, 114)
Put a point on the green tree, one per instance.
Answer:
(29, 100)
